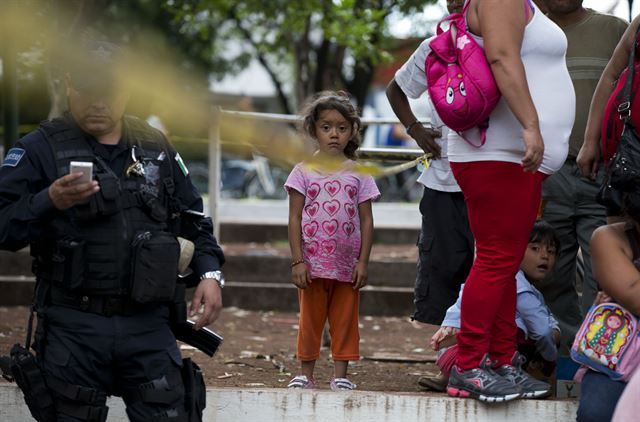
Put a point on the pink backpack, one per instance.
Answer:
(459, 79)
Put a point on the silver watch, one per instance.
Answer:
(216, 275)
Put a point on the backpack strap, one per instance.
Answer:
(482, 127)
(624, 109)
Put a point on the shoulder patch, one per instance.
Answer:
(183, 168)
(14, 155)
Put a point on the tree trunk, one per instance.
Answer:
(55, 78)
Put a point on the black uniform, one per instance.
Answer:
(106, 268)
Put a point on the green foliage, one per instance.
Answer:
(319, 44)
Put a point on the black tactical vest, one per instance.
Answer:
(87, 249)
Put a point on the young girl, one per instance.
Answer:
(330, 234)
(538, 331)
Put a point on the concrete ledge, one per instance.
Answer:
(250, 220)
(277, 269)
(255, 267)
(264, 233)
(374, 300)
(256, 281)
(282, 405)
(392, 215)
(17, 290)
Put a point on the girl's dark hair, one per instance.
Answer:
(543, 232)
(338, 101)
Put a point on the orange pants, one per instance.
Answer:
(338, 302)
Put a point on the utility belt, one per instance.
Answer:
(101, 305)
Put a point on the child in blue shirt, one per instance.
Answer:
(538, 330)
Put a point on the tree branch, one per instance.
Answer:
(282, 97)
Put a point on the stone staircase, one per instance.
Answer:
(258, 276)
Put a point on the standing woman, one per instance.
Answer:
(590, 154)
(527, 140)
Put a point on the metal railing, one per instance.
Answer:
(215, 164)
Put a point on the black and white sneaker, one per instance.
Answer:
(531, 387)
(482, 384)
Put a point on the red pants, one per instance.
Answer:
(502, 201)
(337, 302)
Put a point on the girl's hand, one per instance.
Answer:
(533, 149)
(441, 335)
(602, 297)
(300, 275)
(359, 276)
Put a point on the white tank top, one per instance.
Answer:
(543, 54)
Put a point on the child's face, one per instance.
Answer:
(333, 132)
(538, 261)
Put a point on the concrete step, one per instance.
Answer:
(389, 265)
(252, 220)
(282, 405)
(374, 300)
(259, 278)
(263, 233)
(275, 267)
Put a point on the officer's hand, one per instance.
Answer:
(209, 296)
(64, 193)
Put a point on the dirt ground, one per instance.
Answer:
(259, 351)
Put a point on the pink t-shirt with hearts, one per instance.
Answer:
(330, 220)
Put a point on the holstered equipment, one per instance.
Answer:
(22, 367)
(195, 393)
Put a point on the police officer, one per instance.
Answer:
(105, 251)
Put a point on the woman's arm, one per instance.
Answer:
(589, 156)
(360, 274)
(299, 274)
(611, 259)
(501, 24)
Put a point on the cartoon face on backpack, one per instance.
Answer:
(456, 93)
(459, 79)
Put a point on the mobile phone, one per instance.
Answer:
(84, 167)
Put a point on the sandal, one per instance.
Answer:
(302, 382)
(341, 384)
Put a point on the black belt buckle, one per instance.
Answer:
(113, 306)
(85, 303)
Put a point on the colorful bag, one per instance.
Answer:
(459, 78)
(608, 341)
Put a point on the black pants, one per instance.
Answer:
(445, 254)
(113, 356)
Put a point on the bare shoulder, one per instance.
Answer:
(611, 238)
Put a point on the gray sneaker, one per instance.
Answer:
(482, 384)
(531, 387)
